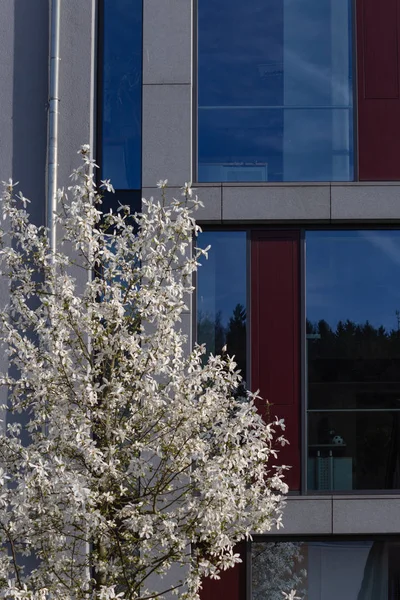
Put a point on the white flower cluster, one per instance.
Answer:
(122, 454)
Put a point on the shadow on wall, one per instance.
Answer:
(30, 95)
(29, 114)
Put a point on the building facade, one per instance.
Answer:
(286, 116)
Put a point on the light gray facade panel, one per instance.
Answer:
(276, 203)
(76, 90)
(155, 192)
(167, 41)
(166, 134)
(307, 516)
(210, 196)
(359, 202)
(366, 515)
(77, 78)
(186, 326)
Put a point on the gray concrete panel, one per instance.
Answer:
(365, 202)
(167, 41)
(366, 515)
(211, 196)
(186, 326)
(77, 73)
(275, 203)
(156, 193)
(166, 134)
(307, 516)
(76, 91)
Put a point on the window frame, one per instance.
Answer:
(303, 419)
(266, 538)
(129, 196)
(195, 103)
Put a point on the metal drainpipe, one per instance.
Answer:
(52, 142)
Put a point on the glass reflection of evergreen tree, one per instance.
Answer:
(215, 335)
(357, 366)
(236, 337)
(353, 352)
(211, 332)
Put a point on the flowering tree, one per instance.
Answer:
(122, 454)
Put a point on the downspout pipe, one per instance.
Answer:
(52, 142)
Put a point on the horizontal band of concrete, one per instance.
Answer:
(333, 203)
(272, 203)
(341, 515)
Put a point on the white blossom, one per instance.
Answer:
(123, 454)
(187, 189)
(291, 595)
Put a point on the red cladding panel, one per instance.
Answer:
(231, 586)
(378, 57)
(275, 336)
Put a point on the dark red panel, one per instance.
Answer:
(381, 67)
(378, 54)
(231, 586)
(275, 336)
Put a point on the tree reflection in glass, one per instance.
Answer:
(353, 359)
(221, 295)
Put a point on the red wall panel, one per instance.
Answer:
(275, 336)
(275, 363)
(231, 586)
(378, 60)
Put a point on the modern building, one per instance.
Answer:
(286, 116)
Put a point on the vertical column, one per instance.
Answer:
(167, 98)
(275, 336)
(167, 125)
(76, 121)
(167, 92)
(77, 82)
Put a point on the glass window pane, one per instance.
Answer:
(326, 570)
(122, 93)
(221, 294)
(353, 359)
(275, 90)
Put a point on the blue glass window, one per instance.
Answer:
(122, 93)
(353, 359)
(221, 294)
(275, 90)
(329, 569)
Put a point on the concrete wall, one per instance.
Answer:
(325, 203)
(24, 55)
(167, 124)
(342, 515)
